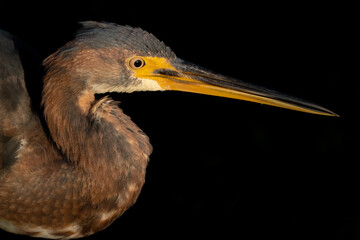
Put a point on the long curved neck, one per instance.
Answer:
(91, 134)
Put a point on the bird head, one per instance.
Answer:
(113, 58)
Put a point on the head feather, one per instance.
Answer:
(102, 34)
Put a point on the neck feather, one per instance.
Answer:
(91, 133)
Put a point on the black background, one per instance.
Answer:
(222, 167)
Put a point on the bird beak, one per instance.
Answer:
(182, 76)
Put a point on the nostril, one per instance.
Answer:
(167, 72)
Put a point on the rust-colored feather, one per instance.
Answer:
(83, 174)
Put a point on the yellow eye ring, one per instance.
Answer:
(137, 63)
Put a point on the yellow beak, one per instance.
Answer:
(182, 76)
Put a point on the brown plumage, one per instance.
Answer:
(65, 185)
(69, 169)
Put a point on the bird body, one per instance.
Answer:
(44, 193)
(75, 166)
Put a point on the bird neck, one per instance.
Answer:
(92, 134)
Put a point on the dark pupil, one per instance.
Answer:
(138, 63)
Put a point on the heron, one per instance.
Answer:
(73, 173)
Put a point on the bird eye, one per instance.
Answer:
(137, 63)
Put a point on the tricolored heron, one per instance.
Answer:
(74, 174)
